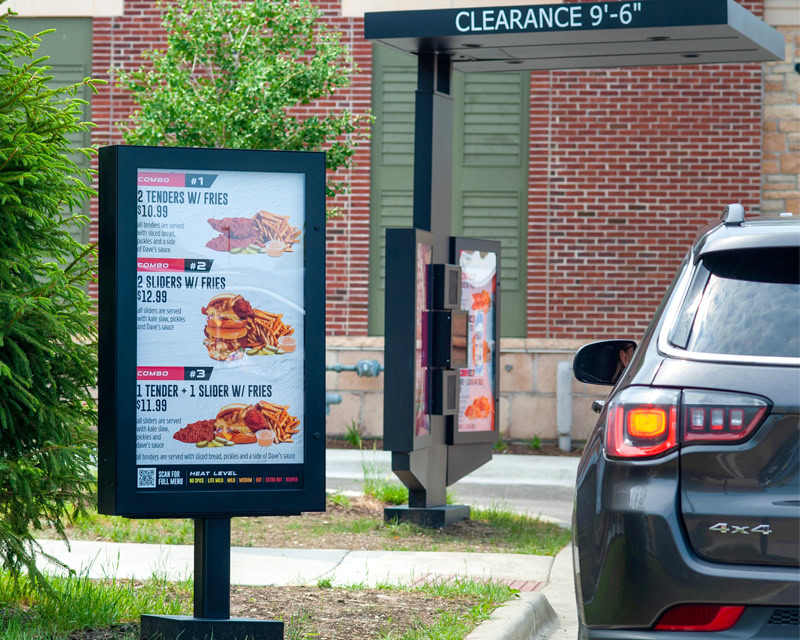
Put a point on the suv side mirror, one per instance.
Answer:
(603, 362)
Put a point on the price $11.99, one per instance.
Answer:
(145, 404)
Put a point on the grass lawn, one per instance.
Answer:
(83, 609)
(349, 523)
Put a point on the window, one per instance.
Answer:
(744, 302)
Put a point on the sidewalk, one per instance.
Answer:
(278, 567)
(545, 609)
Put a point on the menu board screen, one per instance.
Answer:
(477, 381)
(219, 326)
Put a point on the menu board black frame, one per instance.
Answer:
(117, 492)
(399, 430)
(454, 436)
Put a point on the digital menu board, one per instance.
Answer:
(478, 299)
(422, 381)
(479, 384)
(217, 261)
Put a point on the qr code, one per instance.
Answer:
(147, 478)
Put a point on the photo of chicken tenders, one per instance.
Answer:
(265, 232)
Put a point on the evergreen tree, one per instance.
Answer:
(233, 76)
(48, 360)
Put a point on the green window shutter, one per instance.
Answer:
(391, 175)
(495, 215)
(490, 172)
(70, 51)
(490, 177)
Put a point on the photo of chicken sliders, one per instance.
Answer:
(226, 327)
(240, 422)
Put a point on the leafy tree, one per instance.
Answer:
(234, 74)
(48, 360)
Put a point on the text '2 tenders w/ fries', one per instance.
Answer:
(234, 326)
(242, 424)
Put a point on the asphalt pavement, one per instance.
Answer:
(536, 485)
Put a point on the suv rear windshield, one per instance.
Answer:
(743, 302)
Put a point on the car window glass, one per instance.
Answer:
(679, 335)
(751, 304)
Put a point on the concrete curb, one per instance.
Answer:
(525, 618)
(560, 593)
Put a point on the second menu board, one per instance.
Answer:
(220, 324)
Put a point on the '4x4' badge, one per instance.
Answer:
(723, 527)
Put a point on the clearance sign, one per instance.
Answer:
(575, 16)
(211, 332)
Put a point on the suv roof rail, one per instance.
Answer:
(733, 215)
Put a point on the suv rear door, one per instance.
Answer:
(740, 488)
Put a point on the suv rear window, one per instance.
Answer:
(743, 302)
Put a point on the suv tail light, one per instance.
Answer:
(700, 617)
(643, 422)
(712, 416)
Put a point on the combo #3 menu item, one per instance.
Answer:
(219, 328)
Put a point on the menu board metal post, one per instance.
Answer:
(212, 568)
(416, 437)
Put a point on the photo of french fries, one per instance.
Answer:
(267, 335)
(265, 232)
(279, 421)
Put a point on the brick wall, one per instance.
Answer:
(625, 166)
(119, 42)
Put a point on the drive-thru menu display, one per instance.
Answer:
(219, 391)
(477, 381)
(221, 321)
(422, 418)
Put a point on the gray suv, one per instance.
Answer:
(687, 507)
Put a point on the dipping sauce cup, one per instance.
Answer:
(275, 248)
(265, 437)
(287, 343)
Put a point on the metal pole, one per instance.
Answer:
(212, 568)
(564, 404)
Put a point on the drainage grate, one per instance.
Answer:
(788, 616)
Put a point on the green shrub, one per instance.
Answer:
(500, 446)
(48, 355)
(352, 435)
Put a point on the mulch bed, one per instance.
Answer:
(544, 450)
(323, 614)
(332, 529)
(467, 535)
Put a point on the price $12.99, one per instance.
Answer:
(151, 295)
